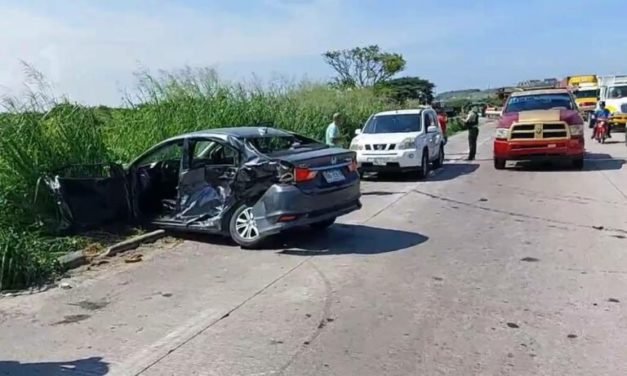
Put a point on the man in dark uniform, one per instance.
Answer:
(472, 124)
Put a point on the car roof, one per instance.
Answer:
(404, 112)
(238, 132)
(539, 92)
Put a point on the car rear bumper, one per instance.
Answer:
(286, 206)
(534, 150)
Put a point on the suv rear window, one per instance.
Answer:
(394, 124)
(539, 102)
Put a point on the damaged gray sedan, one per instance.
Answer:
(247, 183)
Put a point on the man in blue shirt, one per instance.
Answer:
(601, 113)
(333, 131)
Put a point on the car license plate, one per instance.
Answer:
(552, 145)
(333, 176)
(378, 161)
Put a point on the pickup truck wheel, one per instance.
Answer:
(243, 227)
(440, 161)
(578, 163)
(499, 163)
(424, 168)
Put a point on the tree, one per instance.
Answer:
(405, 88)
(363, 66)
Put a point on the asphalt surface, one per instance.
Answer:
(473, 272)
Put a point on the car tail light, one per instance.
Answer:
(303, 174)
(353, 166)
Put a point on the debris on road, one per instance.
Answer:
(572, 336)
(530, 259)
(512, 325)
(613, 300)
(598, 227)
(65, 285)
(134, 258)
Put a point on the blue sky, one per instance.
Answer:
(90, 49)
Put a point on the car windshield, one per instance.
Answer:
(539, 102)
(273, 145)
(587, 93)
(394, 124)
(616, 92)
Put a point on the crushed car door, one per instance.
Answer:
(206, 184)
(87, 196)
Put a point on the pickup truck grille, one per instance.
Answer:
(539, 131)
(380, 147)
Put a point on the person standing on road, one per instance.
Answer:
(472, 124)
(443, 120)
(333, 130)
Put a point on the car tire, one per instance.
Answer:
(423, 172)
(578, 163)
(438, 163)
(499, 163)
(243, 228)
(323, 225)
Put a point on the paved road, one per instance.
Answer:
(474, 272)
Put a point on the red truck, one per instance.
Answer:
(540, 125)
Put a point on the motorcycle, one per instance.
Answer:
(600, 130)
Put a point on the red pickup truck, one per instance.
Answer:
(540, 125)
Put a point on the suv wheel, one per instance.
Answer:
(424, 168)
(243, 227)
(440, 161)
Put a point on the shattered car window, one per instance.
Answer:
(165, 153)
(209, 152)
(274, 145)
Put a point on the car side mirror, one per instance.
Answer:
(432, 129)
(357, 132)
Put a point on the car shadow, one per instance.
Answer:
(342, 239)
(89, 366)
(593, 162)
(449, 171)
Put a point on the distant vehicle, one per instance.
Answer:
(614, 93)
(247, 183)
(400, 141)
(586, 91)
(540, 125)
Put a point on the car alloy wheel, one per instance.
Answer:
(246, 226)
(424, 169)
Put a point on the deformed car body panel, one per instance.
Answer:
(192, 193)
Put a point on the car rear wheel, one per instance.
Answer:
(322, 225)
(578, 163)
(424, 168)
(499, 163)
(440, 161)
(243, 227)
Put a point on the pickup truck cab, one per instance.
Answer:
(400, 141)
(540, 125)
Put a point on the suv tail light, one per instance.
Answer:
(304, 174)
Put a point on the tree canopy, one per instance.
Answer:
(363, 66)
(405, 88)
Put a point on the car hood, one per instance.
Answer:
(540, 116)
(383, 138)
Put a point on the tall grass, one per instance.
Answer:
(43, 133)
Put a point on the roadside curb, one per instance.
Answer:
(75, 259)
(133, 243)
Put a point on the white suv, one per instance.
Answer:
(399, 141)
